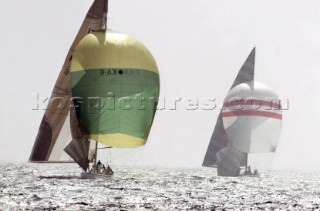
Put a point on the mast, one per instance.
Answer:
(245, 162)
(96, 154)
(103, 26)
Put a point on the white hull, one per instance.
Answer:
(86, 175)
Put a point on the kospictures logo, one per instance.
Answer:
(139, 102)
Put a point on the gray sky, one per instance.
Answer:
(199, 47)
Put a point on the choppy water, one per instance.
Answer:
(58, 186)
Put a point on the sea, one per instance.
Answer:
(59, 187)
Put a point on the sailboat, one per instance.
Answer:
(106, 93)
(250, 122)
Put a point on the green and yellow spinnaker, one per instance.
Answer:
(115, 86)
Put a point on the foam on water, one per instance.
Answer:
(58, 186)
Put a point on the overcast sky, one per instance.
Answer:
(199, 46)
